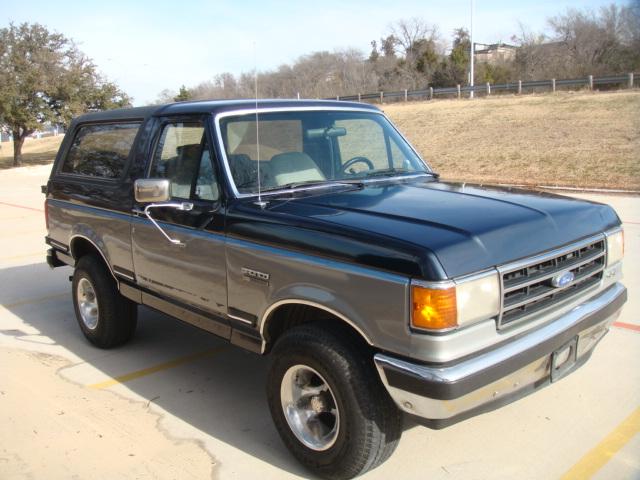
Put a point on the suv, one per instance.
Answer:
(313, 232)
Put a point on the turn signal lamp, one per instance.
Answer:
(455, 304)
(434, 308)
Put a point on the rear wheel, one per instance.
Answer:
(106, 318)
(328, 404)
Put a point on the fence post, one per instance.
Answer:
(519, 87)
(631, 80)
(359, 97)
(405, 94)
(381, 97)
(430, 93)
(590, 78)
(488, 88)
(298, 95)
(553, 85)
(458, 87)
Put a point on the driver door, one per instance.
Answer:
(191, 273)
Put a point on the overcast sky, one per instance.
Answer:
(146, 46)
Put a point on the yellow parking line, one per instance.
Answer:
(606, 449)
(157, 368)
(34, 300)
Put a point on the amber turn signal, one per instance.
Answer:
(433, 309)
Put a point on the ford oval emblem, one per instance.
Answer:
(563, 279)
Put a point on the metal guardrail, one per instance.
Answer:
(629, 79)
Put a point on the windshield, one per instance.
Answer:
(313, 147)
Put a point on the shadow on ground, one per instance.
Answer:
(222, 395)
(28, 159)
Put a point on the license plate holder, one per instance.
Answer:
(564, 359)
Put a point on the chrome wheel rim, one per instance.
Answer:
(87, 303)
(310, 407)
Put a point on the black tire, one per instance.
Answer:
(370, 425)
(116, 316)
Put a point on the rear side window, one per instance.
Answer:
(101, 150)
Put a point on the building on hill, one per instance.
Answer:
(494, 53)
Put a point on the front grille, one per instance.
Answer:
(527, 286)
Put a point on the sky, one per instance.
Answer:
(146, 46)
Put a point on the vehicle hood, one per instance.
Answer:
(467, 228)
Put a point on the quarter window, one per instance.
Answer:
(101, 150)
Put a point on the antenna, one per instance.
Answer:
(260, 203)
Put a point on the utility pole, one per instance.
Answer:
(471, 53)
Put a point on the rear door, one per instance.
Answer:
(190, 274)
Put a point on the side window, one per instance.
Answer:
(101, 150)
(182, 156)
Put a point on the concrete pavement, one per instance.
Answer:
(180, 403)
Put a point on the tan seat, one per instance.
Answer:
(293, 167)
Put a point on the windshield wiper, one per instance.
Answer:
(311, 183)
(392, 172)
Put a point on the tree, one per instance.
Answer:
(459, 56)
(44, 78)
(183, 95)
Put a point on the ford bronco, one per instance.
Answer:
(312, 232)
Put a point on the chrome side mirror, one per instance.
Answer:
(156, 192)
(150, 190)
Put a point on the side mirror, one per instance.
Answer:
(151, 190)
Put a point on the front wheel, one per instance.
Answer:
(328, 404)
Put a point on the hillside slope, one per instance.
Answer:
(570, 139)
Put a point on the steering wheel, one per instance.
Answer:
(354, 160)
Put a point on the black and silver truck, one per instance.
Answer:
(313, 233)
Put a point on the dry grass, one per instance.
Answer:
(570, 139)
(34, 151)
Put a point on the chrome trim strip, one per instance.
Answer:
(240, 319)
(123, 275)
(294, 301)
(58, 245)
(549, 275)
(500, 355)
(250, 111)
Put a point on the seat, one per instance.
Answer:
(293, 167)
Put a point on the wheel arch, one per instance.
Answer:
(288, 313)
(80, 245)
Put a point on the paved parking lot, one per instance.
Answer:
(179, 403)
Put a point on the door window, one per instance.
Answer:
(183, 157)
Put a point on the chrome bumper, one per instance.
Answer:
(446, 394)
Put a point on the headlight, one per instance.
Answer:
(615, 247)
(448, 305)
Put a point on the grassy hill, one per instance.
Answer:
(34, 151)
(569, 139)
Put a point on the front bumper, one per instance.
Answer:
(443, 394)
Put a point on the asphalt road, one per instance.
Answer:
(179, 403)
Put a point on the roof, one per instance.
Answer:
(212, 107)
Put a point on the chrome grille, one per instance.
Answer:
(527, 285)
